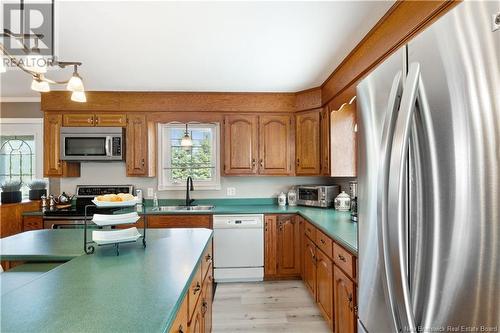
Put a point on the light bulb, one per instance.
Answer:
(75, 83)
(35, 63)
(186, 141)
(39, 85)
(78, 96)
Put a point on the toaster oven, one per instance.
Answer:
(317, 195)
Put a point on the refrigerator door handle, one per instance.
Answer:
(383, 179)
(413, 95)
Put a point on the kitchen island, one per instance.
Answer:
(141, 290)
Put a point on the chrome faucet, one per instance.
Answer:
(189, 181)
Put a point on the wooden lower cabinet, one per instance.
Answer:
(288, 246)
(281, 246)
(12, 220)
(196, 325)
(270, 246)
(32, 223)
(324, 288)
(180, 324)
(344, 302)
(331, 287)
(180, 221)
(309, 270)
(207, 299)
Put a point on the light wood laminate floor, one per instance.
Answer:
(277, 306)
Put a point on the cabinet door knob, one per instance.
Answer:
(197, 288)
(341, 257)
(298, 162)
(143, 162)
(253, 162)
(261, 163)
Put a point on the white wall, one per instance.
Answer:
(94, 173)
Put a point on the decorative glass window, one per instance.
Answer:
(200, 161)
(21, 155)
(17, 158)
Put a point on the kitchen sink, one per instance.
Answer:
(184, 208)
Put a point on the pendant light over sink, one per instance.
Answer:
(186, 141)
(30, 59)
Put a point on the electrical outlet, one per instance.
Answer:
(231, 191)
(150, 192)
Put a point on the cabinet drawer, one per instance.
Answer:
(179, 221)
(206, 261)
(310, 231)
(78, 120)
(344, 260)
(32, 223)
(324, 242)
(194, 292)
(110, 120)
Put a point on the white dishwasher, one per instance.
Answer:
(238, 248)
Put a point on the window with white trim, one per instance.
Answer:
(200, 161)
(21, 150)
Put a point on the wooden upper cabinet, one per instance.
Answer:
(325, 142)
(110, 120)
(288, 245)
(275, 145)
(343, 142)
(78, 119)
(52, 164)
(307, 142)
(240, 144)
(94, 119)
(324, 290)
(140, 146)
(344, 302)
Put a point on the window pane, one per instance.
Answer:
(17, 159)
(195, 161)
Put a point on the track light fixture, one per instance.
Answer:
(35, 64)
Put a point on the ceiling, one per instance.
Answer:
(203, 46)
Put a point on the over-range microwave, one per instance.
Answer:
(92, 143)
(317, 195)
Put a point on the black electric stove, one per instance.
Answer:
(74, 216)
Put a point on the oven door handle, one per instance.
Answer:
(108, 146)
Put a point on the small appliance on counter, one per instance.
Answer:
(353, 189)
(292, 196)
(317, 195)
(282, 199)
(343, 202)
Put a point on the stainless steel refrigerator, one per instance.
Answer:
(429, 180)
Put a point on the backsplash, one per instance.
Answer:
(93, 173)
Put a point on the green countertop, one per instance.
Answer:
(23, 274)
(335, 224)
(138, 291)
